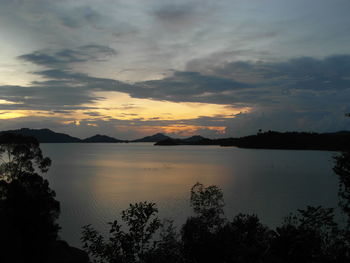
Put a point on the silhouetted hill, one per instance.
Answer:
(101, 138)
(195, 138)
(339, 133)
(337, 141)
(170, 141)
(154, 138)
(293, 140)
(45, 135)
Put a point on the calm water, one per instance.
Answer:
(94, 182)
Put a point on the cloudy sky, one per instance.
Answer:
(129, 68)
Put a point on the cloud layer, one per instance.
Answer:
(285, 64)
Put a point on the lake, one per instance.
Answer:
(95, 182)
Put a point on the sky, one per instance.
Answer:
(131, 68)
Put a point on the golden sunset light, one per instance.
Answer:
(121, 106)
(179, 129)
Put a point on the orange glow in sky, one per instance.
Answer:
(121, 106)
(179, 129)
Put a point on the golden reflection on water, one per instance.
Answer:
(128, 181)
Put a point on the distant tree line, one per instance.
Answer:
(338, 141)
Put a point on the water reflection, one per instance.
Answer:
(94, 182)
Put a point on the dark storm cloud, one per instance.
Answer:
(66, 87)
(63, 88)
(300, 73)
(64, 57)
(301, 82)
(284, 119)
(71, 79)
(64, 91)
(45, 97)
(184, 87)
(331, 73)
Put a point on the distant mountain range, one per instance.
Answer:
(101, 138)
(154, 138)
(45, 135)
(337, 141)
(49, 136)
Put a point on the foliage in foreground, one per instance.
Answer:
(310, 235)
(28, 209)
(342, 169)
(124, 246)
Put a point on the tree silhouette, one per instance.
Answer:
(311, 235)
(20, 155)
(124, 246)
(208, 204)
(168, 248)
(244, 239)
(28, 209)
(342, 169)
(199, 233)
